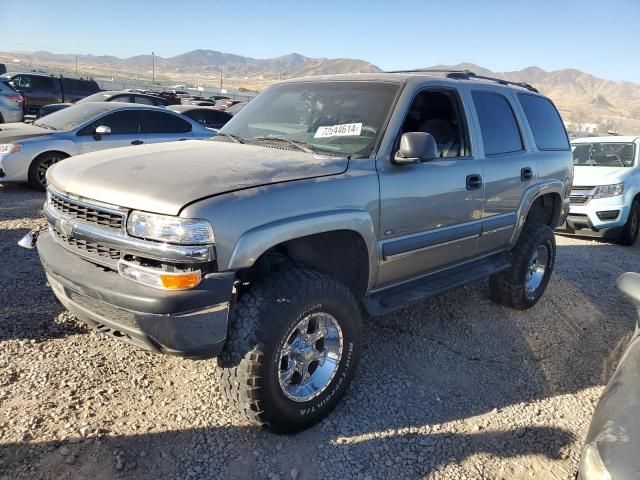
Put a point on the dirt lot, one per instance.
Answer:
(457, 387)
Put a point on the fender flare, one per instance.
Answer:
(530, 195)
(253, 243)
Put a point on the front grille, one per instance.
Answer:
(85, 248)
(582, 188)
(578, 199)
(89, 214)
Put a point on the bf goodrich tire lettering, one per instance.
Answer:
(250, 366)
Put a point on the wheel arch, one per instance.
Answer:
(542, 203)
(341, 244)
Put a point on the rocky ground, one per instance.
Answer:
(456, 388)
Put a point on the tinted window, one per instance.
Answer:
(216, 119)
(545, 122)
(142, 100)
(33, 82)
(500, 132)
(122, 122)
(161, 122)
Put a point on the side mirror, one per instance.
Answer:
(416, 147)
(102, 130)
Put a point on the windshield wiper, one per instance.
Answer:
(235, 138)
(302, 146)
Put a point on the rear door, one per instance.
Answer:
(159, 126)
(508, 166)
(38, 90)
(125, 131)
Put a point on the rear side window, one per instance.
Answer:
(161, 122)
(545, 122)
(216, 119)
(500, 132)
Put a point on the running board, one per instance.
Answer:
(401, 296)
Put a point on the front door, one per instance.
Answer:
(125, 131)
(430, 212)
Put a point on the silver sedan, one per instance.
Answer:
(27, 151)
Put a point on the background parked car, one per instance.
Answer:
(41, 89)
(11, 103)
(27, 151)
(109, 96)
(233, 109)
(208, 117)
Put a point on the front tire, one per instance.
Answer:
(39, 166)
(532, 262)
(292, 350)
(630, 231)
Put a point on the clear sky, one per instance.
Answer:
(599, 37)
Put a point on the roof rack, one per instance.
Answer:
(467, 75)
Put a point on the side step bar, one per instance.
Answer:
(401, 296)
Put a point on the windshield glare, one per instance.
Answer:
(73, 116)
(342, 118)
(604, 154)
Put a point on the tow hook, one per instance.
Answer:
(29, 240)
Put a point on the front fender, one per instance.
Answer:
(252, 244)
(530, 196)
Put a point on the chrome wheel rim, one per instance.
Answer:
(309, 357)
(43, 167)
(536, 269)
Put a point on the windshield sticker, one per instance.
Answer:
(344, 130)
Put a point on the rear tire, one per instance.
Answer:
(629, 233)
(532, 261)
(263, 348)
(39, 166)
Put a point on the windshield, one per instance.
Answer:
(342, 118)
(604, 154)
(73, 116)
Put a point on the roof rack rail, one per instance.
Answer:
(467, 75)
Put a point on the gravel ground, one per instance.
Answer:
(456, 387)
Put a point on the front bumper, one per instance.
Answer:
(190, 323)
(584, 220)
(615, 427)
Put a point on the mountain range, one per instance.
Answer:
(580, 97)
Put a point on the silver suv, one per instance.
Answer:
(325, 200)
(11, 103)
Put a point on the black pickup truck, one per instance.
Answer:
(40, 89)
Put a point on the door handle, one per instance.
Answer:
(526, 174)
(137, 142)
(474, 182)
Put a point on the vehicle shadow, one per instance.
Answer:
(240, 453)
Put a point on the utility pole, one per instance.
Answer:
(76, 65)
(220, 79)
(153, 59)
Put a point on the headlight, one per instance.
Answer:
(591, 465)
(157, 278)
(604, 191)
(164, 228)
(10, 147)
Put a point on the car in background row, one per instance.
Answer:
(109, 96)
(613, 439)
(605, 197)
(226, 103)
(27, 151)
(41, 89)
(236, 108)
(208, 117)
(11, 103)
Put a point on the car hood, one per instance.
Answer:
(592, 176)
(12, 132)
(163, 178)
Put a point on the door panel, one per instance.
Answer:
(428, 218)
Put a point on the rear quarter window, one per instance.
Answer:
(545, 122)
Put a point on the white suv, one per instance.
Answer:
(605, 198)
